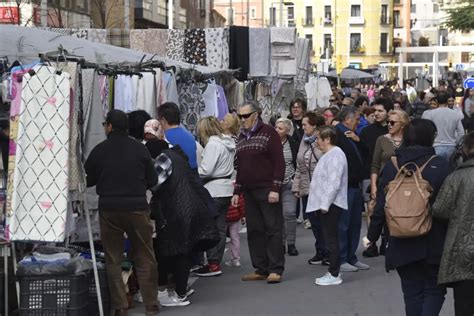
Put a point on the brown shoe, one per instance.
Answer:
(254, 277)
(273, 278)
(152, 310)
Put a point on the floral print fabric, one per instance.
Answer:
(195, 46)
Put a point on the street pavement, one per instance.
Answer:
(363, 293)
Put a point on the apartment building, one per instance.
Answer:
(243, 13)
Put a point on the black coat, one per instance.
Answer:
(429, 248)
(354, 155)
(122, 170)
(181, 199)
(369, 137)
(294, 146)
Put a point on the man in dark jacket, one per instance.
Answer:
(351, 220)
(260, 172)
(122, 170)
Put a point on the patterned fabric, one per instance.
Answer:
(40, 199)
(283, 35)
(163, 168)
(302, 63)
(104, 90)
(195, 46)
(118, 37)
(80, 33)
(138, 40)
(61, 31)
(175, 44)
(289, 167)
(191, 104)
(97, 36)
(217, 48)
(259, 45)
(155, 41)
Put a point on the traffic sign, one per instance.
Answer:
(469, 83)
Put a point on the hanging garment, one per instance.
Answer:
(124, 94)
(145, 93)
(118, 37)
(283, 35)
(259, 57)
(264, 99)
(217, 48)
(160, 87)
(318, 92)
(233, 93)
(97, 35)
(175, 44)
(209, 97)
(138, 40)
(281, 102)
(191, 104)
(104, 90)
(284, 51)
(156, 41)
(302, 63)
(40, 198)
(171, 87)
(239, 50)
(222, 106)
(195, 46)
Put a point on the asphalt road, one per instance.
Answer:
(363, 293)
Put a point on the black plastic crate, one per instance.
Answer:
(62, 295)
(104, 293)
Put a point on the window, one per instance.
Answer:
(413, 8)
(291, 16)
(435, 8)
(272, 16)
(355, 42)
(355, 10)
(327, 14)
(309, 16)
(253, 12)
(384, 14)
(327, 44)
(310, 37)
(396, 19)
(465, 57)
(202, 8)
(384, 42)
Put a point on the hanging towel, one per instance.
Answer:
(146, 93)
(124, 94)
(259, 45)
(302, 63)
(216, 45)
(239, 50)
(175, 44)
(160, 87)
(283, 35)
(195, 46)
(284, 51)
(171, 87)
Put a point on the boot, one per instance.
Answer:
(292, 251)
(383, 247)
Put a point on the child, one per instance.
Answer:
(235, 217)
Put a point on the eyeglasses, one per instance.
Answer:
(104, 123)
(245, 116)
(393, 122)
(332, 100)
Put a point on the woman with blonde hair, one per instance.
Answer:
(230, 125)
(215, 170)
(384, 149)
(290, 150)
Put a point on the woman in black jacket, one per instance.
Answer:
(415, 259)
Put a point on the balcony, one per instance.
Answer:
(358, 50)
(328, 20)
(398, 24)
(385, 20)
(307, 22)
(386, 50)
(356, 20)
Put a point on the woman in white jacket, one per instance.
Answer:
(328, 197)
(216, 169)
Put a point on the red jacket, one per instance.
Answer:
(236, 213)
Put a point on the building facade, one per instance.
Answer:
(243, 13)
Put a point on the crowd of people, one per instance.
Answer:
(330, 165)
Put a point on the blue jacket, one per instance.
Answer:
(429, 248)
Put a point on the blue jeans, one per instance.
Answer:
(350, 224)
(315, 220)
(421, 292)
(445, 151)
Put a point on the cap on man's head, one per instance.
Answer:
(118, 119)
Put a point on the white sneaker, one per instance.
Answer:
(138, 297)
(361, 266)
(189, 292)
(299, 221)
(172, 299)
(347, 267)
(232, 263)
(307, 224)
(328, 279)
(162, 295)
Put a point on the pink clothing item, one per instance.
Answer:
(152, 127)
(234, 229)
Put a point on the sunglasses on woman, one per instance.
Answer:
(245, 116)
(393, 122)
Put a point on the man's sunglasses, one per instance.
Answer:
(245, 116)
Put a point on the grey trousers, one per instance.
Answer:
(215, 254)
(289, 214)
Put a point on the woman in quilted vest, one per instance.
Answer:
(306, 160)
(454, 204)
(416, 259)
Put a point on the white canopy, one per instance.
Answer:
(25, 44)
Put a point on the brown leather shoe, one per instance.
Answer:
(273, 278)
(152, 310)
(254, 277)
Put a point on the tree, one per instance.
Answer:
(461, 18)
(103, 15)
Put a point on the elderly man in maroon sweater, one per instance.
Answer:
(260, 172)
